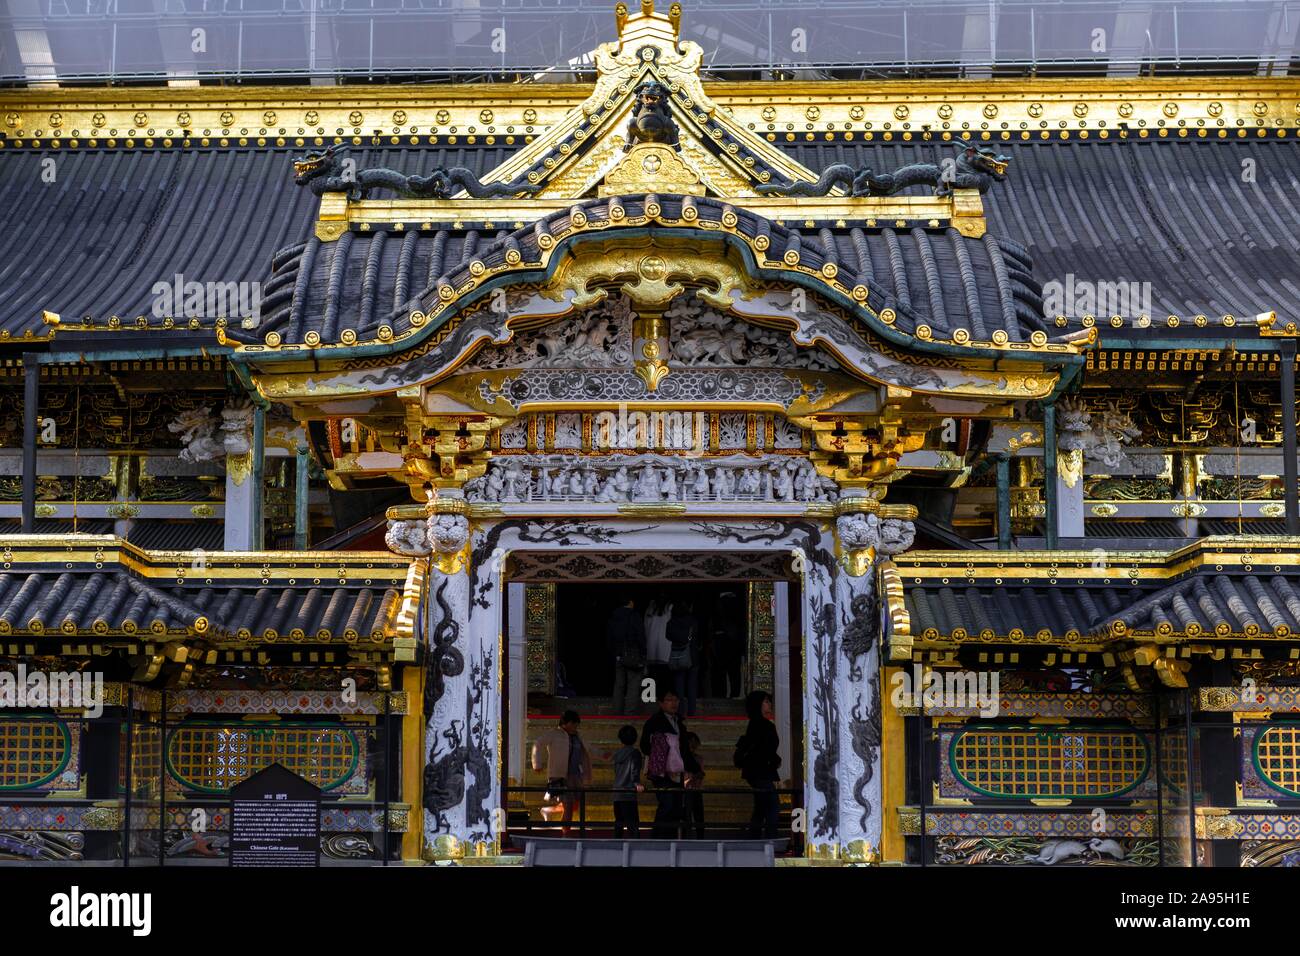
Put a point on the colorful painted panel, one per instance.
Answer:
(334, 817)
(1031, 763)
(39, 753)
(1031, 851)
(1055, 824)
(211, 758)
(539, 632)
(762, 635)
(1074, 706)
(300, 703)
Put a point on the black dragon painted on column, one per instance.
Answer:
(865, 734)
(326, 171)
(825, 737)
(443, 659)
(462, 771)
(976, 167)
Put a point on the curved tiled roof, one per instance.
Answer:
(1203, 591)
(366, 280)
(93, 595)
(115, 222)
(103, 604)
(1207, 223)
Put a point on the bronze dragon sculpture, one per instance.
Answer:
(976, 167)
(325, 171)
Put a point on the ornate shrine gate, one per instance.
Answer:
(832, 556)
(620, 339)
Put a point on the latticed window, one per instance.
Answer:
(1065, 764)
(33, 752)
(212, 758)
(1277, 757)
(146, 755)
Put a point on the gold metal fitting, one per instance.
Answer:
(858, 505)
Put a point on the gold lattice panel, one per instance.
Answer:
(1052, 764)
(1277, 757)
(34, 754)
(146, 757)
(213, 758)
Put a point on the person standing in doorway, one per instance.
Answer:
(562, 754)
(760, 763)
(683, 635)
(670, 760)
(657, 614)
(728, 647)
(625, 639)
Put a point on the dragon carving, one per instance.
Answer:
(444, 660)
(826, 712)
(325, 171)
(976, 167)
(444, 777)
(864, 732)
(468, 752)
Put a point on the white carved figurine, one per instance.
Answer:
(701, 484)
(407, 537)
(669, 486)
(197, 428)
(514, 478)
(237, 428)
(448, 533)
(858, 531)
(647, 486)
(783, 489)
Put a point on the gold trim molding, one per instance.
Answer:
(789, 112)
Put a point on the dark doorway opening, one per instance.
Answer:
(567, 665)
(586, 668)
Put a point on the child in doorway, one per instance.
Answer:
(693, 815)
(627, 781)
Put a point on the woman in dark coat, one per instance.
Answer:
(669, 763)
(760, 763)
